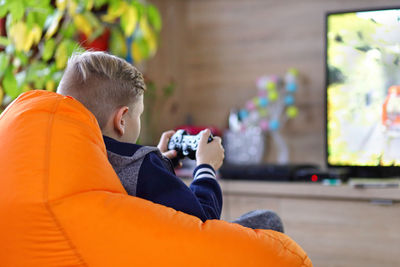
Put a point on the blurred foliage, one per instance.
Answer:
(155, 97)
(42, 34)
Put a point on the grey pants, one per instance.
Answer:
(261, 219)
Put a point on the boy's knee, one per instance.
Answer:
(261, 219)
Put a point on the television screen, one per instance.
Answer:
(363, 88)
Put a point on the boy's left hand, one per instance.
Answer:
(163, 145)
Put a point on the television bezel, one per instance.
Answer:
(352, 170)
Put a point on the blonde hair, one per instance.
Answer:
(102, 83)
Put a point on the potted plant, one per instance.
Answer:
(40, 35)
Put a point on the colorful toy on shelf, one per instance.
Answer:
(274, 103)
(273, 106)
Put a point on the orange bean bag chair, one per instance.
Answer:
(61, 203)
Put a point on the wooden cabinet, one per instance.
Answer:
(336, 225)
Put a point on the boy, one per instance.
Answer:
(112, 90)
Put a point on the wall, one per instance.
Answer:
(216, 49)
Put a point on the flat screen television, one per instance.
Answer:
(362, 60)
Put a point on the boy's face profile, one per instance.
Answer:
(124, 123)
(132, 121)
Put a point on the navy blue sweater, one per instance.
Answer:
(203, 198)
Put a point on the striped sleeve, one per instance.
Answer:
(204, 171)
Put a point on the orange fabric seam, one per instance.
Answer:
(304, 259)
(86, 192)
(283, 245)
(46, 183)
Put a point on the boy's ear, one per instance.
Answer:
(119, 120)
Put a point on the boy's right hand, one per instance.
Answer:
(210, 153)
(163, 145)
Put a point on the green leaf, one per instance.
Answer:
(141, 9)
(63, 51)
(143, 47)
(52, 68)
(69, 30)
(154, 17)
(23, 57)
(4, 61)
(30, 3)
(17, 9)
(4, 41)
(85, 4)
(37, 74)
(30, 75)
(44, 3)
(34, 71)
(39, 83)
(92, 19)
(61, 55)
(117, 43)
(115, 4)
(72, 47)
(48, 49)
(30, 19)
(99, 3)
(129, 20)
(41, 15)
(10, 85)
(3, 9)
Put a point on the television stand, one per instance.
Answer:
(264, 172)
(336, 225)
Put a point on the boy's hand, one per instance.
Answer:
(210, 153)
(163, 145)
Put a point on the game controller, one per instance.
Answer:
(186, 145)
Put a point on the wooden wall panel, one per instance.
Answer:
(168, 65)
(216, 49)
